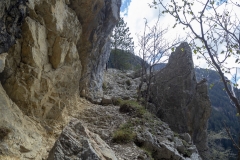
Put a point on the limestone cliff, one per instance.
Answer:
(97, 19)
(181, 101)
(55, 48)
(64, 46)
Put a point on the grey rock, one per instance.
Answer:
(192, 149)
(2, 61)
(116, 86)
(162, 148)
(180, 101)
(186, 137)
(77, 142)
(106, 100)
(94, 44)
(179, 145)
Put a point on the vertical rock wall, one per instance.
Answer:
(98, 18)
(181, 101)
(43, 67)
(52, 47)
(64, 44)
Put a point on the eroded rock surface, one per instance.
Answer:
(20, 136)
(63, 49)
(55, 48)
(77, 142)
(120, 84)
(41, 65)
(98, 17)
(181, 101)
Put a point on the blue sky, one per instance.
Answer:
(125, 4)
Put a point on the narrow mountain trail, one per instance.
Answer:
(154, 139)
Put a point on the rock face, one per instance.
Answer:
(41, 64)
(181, 101)
(63, 48)
(77, 142)
(98, 19)
(54, 49)
(12, 14)
(18, 134)
(119, 84)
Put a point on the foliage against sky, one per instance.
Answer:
(134, 12)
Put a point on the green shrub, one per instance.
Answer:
(148, 152)
(124, 134)
(117, 101)
(104, 86)
(133, 106)
(128, 82)
(125, 108)
(186, 153)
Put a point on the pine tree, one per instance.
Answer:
(121, 38)
(121, 41)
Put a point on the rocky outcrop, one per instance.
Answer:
(77, 142)
(173, 148)
(98, 19)
(20, 137)
(64, 44)
(120, 84)
(41, 64)
(181, 101)
(54, 49)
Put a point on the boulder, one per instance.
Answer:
(180, 100)
(162, 148)
(77, 142)
(106, 100)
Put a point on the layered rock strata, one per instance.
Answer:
(181, 101)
